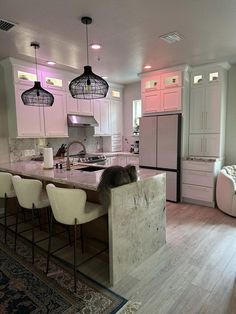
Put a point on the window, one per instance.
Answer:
(213, 76)
(197, 79)
(137, 112)
(26, 76)
(53, 81)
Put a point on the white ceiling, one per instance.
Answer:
(128, 30)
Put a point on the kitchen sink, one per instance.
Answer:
(90, 168)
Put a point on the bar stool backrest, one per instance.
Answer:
(6, 186)
(28, 191)
(68, 204)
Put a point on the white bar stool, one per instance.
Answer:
(6, 191)
(30, 196)
(69, 207)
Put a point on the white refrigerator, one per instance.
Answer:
(160, 148)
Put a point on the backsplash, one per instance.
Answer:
(17, 148)
(20, 149)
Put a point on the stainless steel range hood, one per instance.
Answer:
(81, 120)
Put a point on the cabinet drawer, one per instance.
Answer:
(113, 160)
(198, 165)
(116, 137)
(198, 178)
(195, 192)
(116, 142)
(133, 160)
(116, 148)
(122, 161)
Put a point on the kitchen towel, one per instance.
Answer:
(47, 158)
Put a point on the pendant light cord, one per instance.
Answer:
(36, 65)
(87, 43)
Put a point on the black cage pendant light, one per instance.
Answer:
(37, 96)
(88, 85)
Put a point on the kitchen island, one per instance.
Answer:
(136, 217)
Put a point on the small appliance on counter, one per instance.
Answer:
(136, 147)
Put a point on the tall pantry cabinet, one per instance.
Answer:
(208, 111)
(208, 90)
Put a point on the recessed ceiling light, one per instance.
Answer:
(105, 77)
(147, 66)
(51, 63)
(171, 37)
(96, 46)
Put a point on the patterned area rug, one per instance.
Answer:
(26, 289)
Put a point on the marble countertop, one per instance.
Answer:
(75, 178)
(205, 159)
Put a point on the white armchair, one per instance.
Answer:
(226, 190)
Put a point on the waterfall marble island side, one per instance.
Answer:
(136, 217)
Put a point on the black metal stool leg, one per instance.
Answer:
(5, 218)
(82, 239)
(16, 228)
(48, 216)
(38, 213)
(23, 214)
(75, 256)
(33, 207)
(69, 237)
(49, 241)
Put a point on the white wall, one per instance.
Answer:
(230, 144)
(4, 148)
(131, 92)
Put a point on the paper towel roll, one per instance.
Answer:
(47, 158)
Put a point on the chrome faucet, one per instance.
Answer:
(68, 150)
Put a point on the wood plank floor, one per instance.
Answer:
(194, 272)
